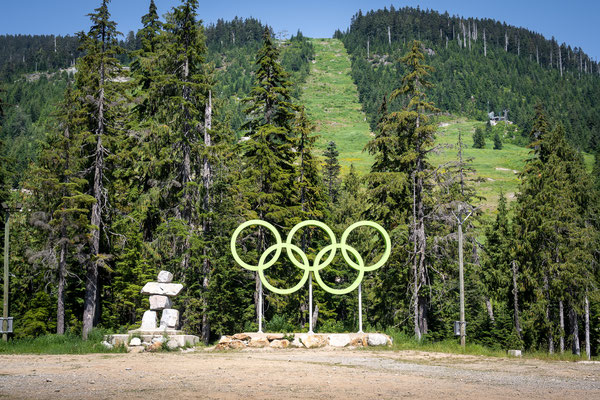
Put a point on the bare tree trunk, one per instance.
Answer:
(420, 242)
(490, 309)
(550, 336)
(588, 349)
(560, 60)
(415, 266)
(505, 41)
(91, 284)
(537, 55)
(561, 317)
(576, 349)
(60, 306)
(470, 35)
(207, 180)
(515, 272)
(484, 44)
(368, 53)
(390, 36)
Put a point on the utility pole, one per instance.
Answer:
(461, 274)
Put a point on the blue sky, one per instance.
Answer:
(574, 22)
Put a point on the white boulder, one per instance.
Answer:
(165, 289)
(165, 277)
(169, 318)
(172, 344)
(149, 320)
(377, 339)
(159, 302)
(136, 341)
(339, 340)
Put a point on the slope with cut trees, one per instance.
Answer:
(481, 65)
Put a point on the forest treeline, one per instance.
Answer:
(481, 66)
(33, 86)
(153, 167)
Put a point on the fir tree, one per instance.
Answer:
(62, 206)
(551, 232)
(97, 70)
(311, 196)
(478, 139)
(269, 154)
(497, 142)
(144, 67)
(332, 171)
(418, 134)
(182, 94)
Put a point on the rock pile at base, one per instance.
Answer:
(302, 340)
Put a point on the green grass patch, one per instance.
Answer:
(331, 101)
(59, 344)
(403, 341)
(498, 169)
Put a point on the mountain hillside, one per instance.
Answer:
(332, 102)
(480, 66)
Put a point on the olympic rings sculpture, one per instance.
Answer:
(358, 262)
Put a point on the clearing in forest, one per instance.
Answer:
(331, 101)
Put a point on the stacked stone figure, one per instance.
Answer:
(161, 293)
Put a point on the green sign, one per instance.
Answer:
(324, 257)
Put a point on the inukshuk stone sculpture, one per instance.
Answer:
(161, 293)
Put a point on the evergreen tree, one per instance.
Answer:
(418, 135)
(332, 171)
(61, 206)
(144, 67)
(181, 92)
(269, 154)
(478, 139)
(551, 234)
(97, 70)
(311, 197)
(497, 142)
(401, 172)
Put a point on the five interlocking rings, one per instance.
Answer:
(304, 264)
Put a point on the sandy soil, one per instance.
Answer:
(293, 374)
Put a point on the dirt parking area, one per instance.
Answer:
(293, 374)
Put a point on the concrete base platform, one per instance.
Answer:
(173, 338)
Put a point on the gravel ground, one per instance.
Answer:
(293, 374)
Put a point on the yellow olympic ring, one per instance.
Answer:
(304, 264)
